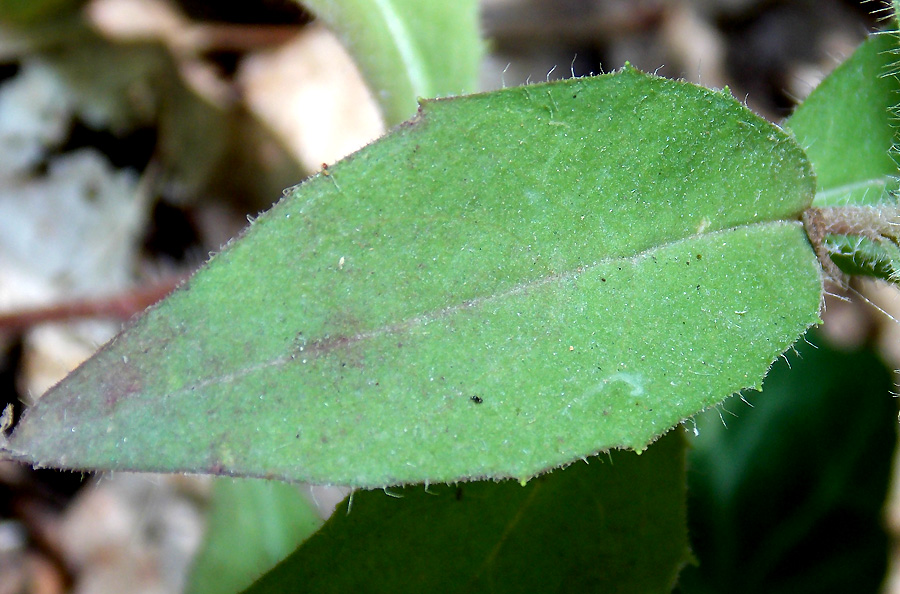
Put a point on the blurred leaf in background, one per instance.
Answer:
(36, 12)
(614, 525)
(253, 524)
(788, 497)
(409, 49)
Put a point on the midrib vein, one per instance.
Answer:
(316, 348)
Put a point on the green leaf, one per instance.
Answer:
(789, 497)
(847, 127)
(408, 49)
(616, 525)
(510, 282)
(860, 256)
(36, 12)
(252, 526)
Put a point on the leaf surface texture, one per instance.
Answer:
(509, 282)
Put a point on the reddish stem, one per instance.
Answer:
(120, 307)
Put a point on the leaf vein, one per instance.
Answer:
(327, 344)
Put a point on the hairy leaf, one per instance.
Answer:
(510, 282)
(847, 127)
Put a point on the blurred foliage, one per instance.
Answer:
(253, 524)
(614, 525)
(34, 12)
(787, 496)
(202, 148)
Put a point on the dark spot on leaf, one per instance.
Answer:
(125, 383)
(603, 280)
(699, 257)
(325, 346)
(477, 399)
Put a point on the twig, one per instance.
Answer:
(120, 307)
